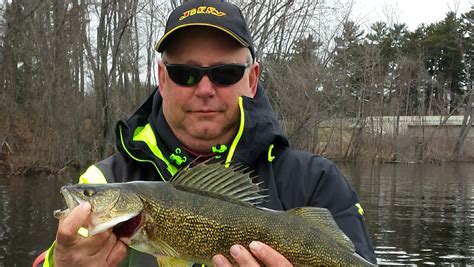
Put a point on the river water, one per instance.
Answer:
(416, 214)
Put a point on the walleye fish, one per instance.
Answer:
(203, 211)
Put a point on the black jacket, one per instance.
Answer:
(293, 178)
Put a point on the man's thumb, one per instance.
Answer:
(68, 227)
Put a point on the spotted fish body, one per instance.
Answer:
(204, 211)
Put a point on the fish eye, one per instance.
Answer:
(88, 192)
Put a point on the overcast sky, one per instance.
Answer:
(411, 12)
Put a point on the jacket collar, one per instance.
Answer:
(260, 130)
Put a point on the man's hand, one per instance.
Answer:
(72, 249)
(258, 252)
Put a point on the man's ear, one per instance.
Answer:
(253, 78)
(161, 77)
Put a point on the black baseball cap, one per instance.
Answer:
(212, 13)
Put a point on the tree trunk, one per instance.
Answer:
(466, 126)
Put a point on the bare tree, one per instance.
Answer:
(70, 69)
(467, 124)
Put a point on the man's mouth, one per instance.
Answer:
(205, 112)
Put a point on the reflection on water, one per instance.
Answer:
(416, 214)
(27, 225)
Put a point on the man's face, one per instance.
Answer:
(205, 114)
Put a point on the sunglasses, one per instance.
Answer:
(189, 75)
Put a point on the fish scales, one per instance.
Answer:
(205, 210)
(200, 227)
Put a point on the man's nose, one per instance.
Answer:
(205, 87)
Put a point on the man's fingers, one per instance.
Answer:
(100, 242)
(103, 249)
(267, 255)
(259, 252)
(117, 254)
(126, 240)
(68, 227)
(243, 257)
(221, 261)
(111, 240)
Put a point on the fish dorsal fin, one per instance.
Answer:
(214, 180)
(322, 218)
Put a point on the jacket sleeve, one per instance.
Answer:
(334, 192)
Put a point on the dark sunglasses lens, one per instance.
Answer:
(227, 74)
(184, 75)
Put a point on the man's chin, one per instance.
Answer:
(205, 134)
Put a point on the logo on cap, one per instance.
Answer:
(202, 10)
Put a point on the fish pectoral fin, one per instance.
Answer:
(164, 261)
(159, 249)
(322, 218)
(156, 247)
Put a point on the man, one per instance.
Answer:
(209, 105)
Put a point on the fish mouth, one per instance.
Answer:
(72, 201)
(125, 225)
